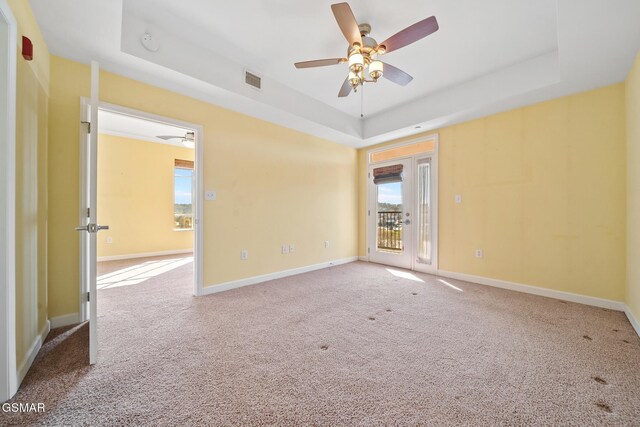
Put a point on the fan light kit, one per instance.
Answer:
(363, 51)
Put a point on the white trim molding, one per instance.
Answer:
(65, 320)
(535, 290)
(33, 352)
(363, 258)
(8, 370)
(212, 289)
(632, 319)
(144, 255)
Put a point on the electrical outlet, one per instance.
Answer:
(458, 198)
(244, 254)
(292, 248)
(285, 249)
(210, 195)
(109, 240)
(326, 244)
(479, 253)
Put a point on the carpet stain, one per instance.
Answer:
(616, 330)
(599, 380)
(587, 337)
(324, 347)
(372, 318)
(562, 302)
(628, 342)
(604, 407)
(388, 310)
(414, 293)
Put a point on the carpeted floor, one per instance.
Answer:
(357, 344)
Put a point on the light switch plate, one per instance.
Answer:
(458, 198)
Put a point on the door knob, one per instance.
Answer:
(92, 228)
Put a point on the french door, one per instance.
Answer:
(391, 213)
(402, 213)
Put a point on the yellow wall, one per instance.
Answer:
(32, 87)
(543, 191)
(274, 185)
(135, 196)
(633, 188)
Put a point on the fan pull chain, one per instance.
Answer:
(362, 102)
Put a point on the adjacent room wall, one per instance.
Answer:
(633, 189)
(543, 194)
(274, 186)
(136, 195)
(32, 89)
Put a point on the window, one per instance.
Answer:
(183, 195)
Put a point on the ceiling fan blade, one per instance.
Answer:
(168, 137)
(345, 90)
(347, 23)
(396, 75)
(410, 34)
(320, 62)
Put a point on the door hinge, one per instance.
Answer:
(88, 296)
(369, 175)
(369, 212)
(368, 250)
(88, 126)
(88, 212)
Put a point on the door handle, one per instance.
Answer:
(407, 221)
(92, 228)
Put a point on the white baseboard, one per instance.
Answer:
(66, 320)
(24, 366)
(632, 319)
(144, 255)
(212, 289)
(363, 258)
(550, 293)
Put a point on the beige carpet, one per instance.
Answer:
(349, 345)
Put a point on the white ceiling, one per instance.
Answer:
(111, 123)
(487, 56)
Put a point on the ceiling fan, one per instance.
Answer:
(188, 139)
(363, 50)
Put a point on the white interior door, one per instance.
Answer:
(88, 212)
(391, 212)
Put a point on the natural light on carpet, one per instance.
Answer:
(139, 273)
(405, 275)
(444, 282)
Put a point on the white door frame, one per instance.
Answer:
(198, 199)
(433, 268)
(8, 49)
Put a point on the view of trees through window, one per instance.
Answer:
(183, 200)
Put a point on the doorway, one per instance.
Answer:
(147, 179)
(402, 205)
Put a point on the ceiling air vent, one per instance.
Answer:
(252, 80)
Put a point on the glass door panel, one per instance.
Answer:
(389, 217)
(424, 252)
